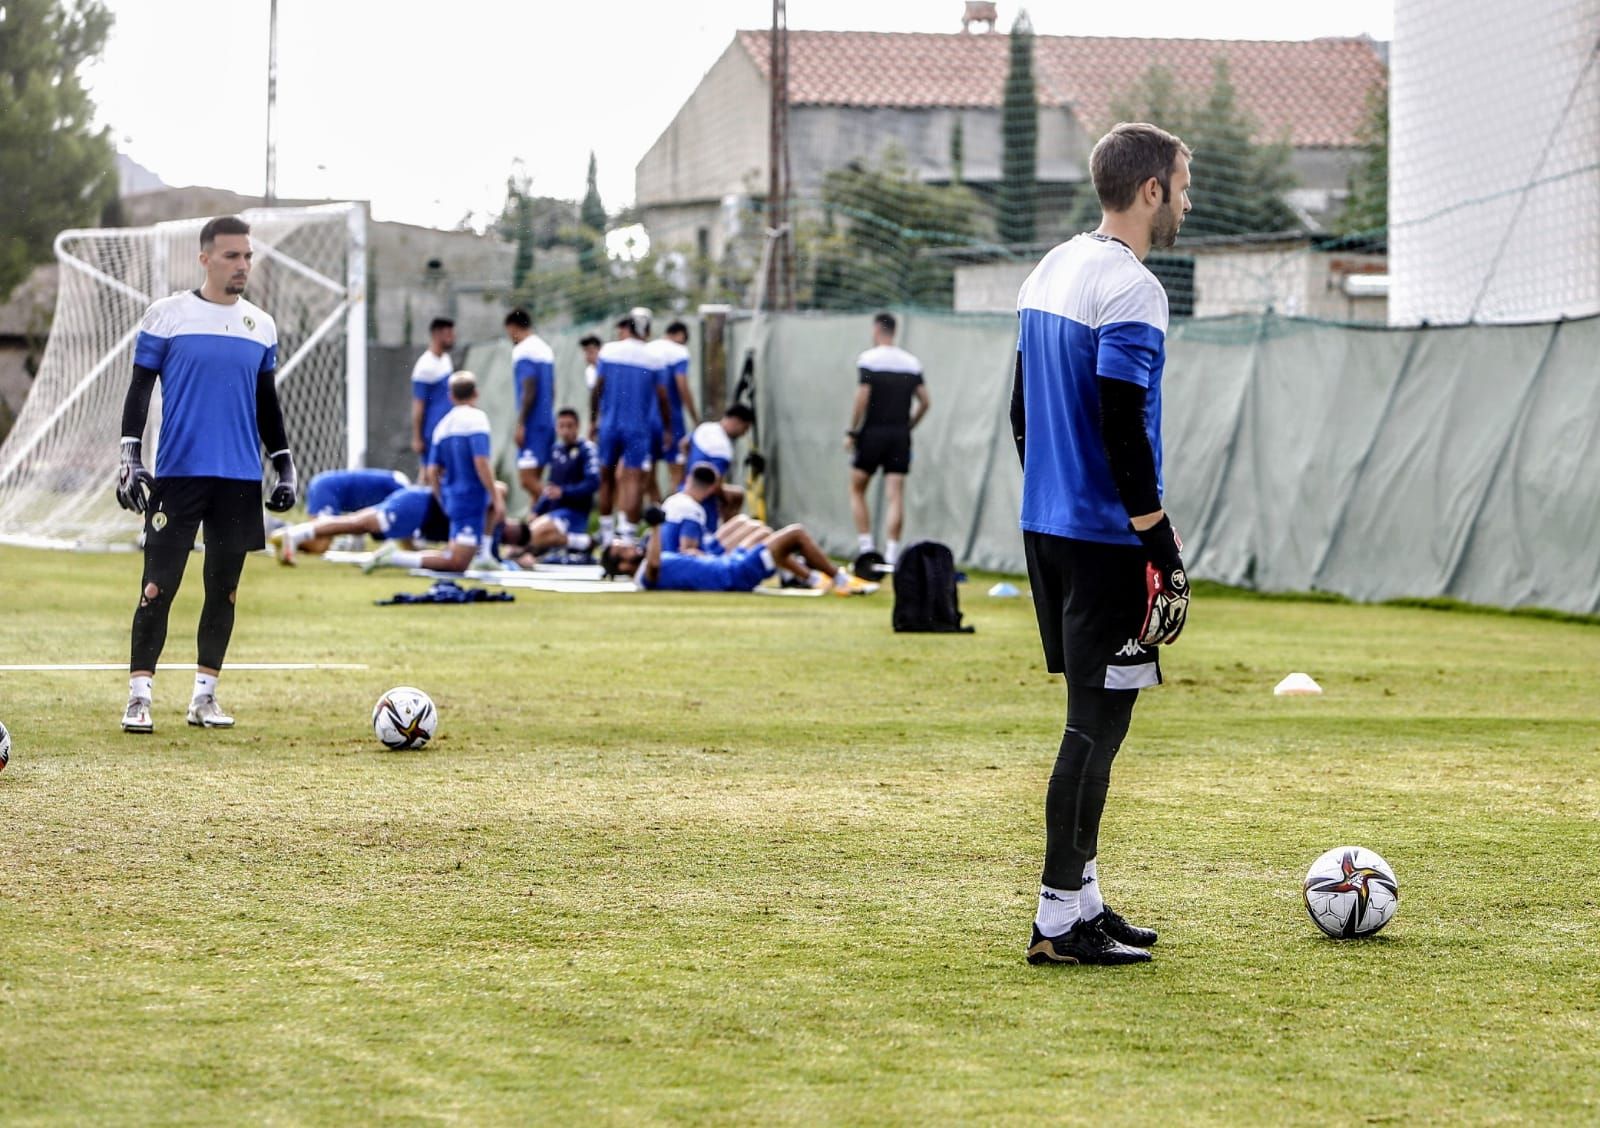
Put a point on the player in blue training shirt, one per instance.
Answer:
(430, 385)
(790, 548)
(673, 354)
(568, 497)
(408, 514)
(627, 396)
(533, 365)
(458, 466)
(711, 444)
(345, 491)
(216, 356)
(685, 528)
(1108, 583)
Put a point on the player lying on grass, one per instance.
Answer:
(336, 493)
(790, 548)
(406, 515)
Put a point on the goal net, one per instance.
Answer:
(58, 465)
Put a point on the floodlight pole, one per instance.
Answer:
(780, 267)
(271, 194)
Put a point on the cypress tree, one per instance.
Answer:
(1017, 198)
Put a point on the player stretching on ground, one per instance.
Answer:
(334, 493)
(1108, 585)
(790, 548)
(534, 368)
(626, 398)
(407, 514)
(891, 400)
(459, 469)
(430, 385)
(216, 356)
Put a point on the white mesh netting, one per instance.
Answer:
(58, 465)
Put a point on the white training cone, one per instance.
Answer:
(1004, 590)
(1297, 685)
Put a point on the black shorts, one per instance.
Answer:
(883, 448)
(229, 508)
(1090, 600)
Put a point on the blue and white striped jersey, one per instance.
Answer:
(628, 400)
(209, 356)
(430, 383)
(460, 438)
(1090, 309)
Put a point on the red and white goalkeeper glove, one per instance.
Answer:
(1166, 585)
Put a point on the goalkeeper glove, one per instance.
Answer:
(654, 515)
(133, 480)
(1166, 585)
(283, 493)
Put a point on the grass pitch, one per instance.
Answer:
(721, 859)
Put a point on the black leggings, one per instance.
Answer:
(1097, 721)
(163, 573)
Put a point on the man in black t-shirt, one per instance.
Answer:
(891, 399)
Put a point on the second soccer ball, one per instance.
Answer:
(404, 718)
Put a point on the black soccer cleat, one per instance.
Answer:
(1084, 943)
(1116, 927)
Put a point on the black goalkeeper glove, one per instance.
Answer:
(133, 480)
(654, 515)
(282, 497)
(1166, 585)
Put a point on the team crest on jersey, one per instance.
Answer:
(158, 522)
(249, 322)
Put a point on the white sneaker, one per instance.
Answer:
(282, 546)
(137, 718)
(379, 558)
(206, 712)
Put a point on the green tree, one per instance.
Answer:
(1368, 206)
(958, 152)
(881, 232)
(1017, 199)
(58, 171)
(590, 300)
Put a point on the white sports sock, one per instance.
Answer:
(841, 579)
(864, 542)
(400, 558)
(297, 535)
(891, 552)
(625, 531)
(205, 685)
(1090, 903)
(140, 686)
(1058, 910)
(608, 525)
(578, 542)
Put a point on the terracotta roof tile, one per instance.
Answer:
(1312, 91)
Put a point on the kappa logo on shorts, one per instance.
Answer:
(249, 322)
(1130, 649)
(158, 522)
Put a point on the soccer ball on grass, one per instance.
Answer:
(404, 718)
(1350, 892)
(5, 747)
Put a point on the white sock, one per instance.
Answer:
(1058, 910)
(625, 531)
(205, 685)
(1090, 903)
(578, 542)
(841, 579)
(891, 551)
(608, 524)
(864, 542)
(297, 535)
(139, 686)
(400, 558)
(817, 579)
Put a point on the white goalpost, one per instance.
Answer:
(58, 465)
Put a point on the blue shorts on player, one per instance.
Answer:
(742, 570)
(570, 520)
(404, 514)
(630, 448)
(534, 453)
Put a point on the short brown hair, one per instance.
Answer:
(222, 225)
(1129, 155)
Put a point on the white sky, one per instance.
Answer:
(422, 108)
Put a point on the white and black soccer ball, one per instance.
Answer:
(1350, 892)
(5, 746)
(404, 718)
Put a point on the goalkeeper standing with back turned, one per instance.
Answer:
(1108, 583)
(216, 356)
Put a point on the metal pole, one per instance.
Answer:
(779, 268)
(271, 194)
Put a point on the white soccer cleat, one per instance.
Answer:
(282, 546)
(205, 712)
(379, 557)
(137, 717)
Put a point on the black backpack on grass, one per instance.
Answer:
(925, 590)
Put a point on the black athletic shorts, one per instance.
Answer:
(1090, 600)
(229, 508)
(883, 448)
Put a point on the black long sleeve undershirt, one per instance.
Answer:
(1019, 414)
(1127, 443)
(136, 404)
(269, 414)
